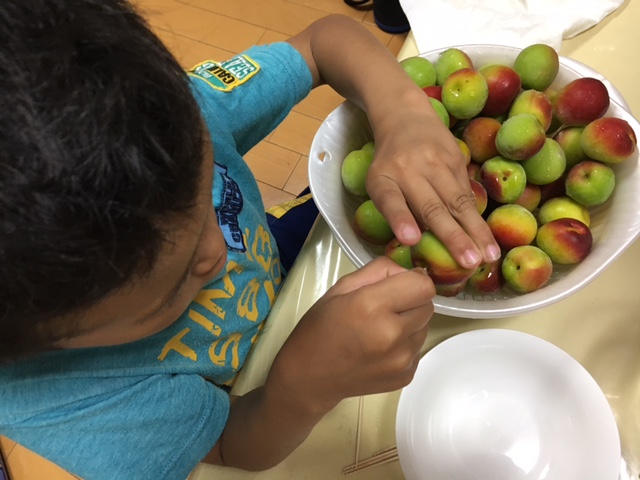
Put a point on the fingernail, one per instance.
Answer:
(471, 257)
(493, 252)
(410, 233)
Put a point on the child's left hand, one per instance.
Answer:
(418, 178)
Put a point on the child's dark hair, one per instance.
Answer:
(101, 143)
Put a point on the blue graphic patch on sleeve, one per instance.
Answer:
(229, 209)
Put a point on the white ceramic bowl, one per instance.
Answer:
(614, 225)
(504, 405)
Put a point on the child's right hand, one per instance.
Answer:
(363, 336)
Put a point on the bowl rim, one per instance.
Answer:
(319, 162)
(489, 345)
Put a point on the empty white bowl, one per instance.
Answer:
(614, 225)
(504, 405)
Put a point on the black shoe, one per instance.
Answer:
(388, 14)
(390, 17)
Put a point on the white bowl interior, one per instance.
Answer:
(614, 225)
(504, 405)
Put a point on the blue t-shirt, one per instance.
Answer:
(155, 407)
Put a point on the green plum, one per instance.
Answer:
(504, 180)
(526, 268)
(431, 253)
(399, 253)
(538, 66)
(369, 147)
(354, 171)
(464, 93)
(520, 137)
(609, 139)
(569, 139)
(547, 165)
(420, 70)
(449, 61)
(563, 207)
(440, 110)
(370, 225)
(536, 103)
(567, 241)
(590, 183)
(512, 225)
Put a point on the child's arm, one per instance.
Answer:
(362, 337)
(418, 170)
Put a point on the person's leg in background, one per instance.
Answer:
(290, 224)
(4, 473)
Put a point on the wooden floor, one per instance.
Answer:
(197, 30)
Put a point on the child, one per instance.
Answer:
(137, 267)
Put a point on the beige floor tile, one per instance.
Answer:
(279, 15)
(269, 36)
(209, 27)
(333, 6)
(191, 52)
(368, 18)
(267, 138)
(273, 196)
(320, 102)
(383, 37)
(299, 179)
(26, 465)
(271, 164)
(151, 9)
(296, 132)
(396, 43)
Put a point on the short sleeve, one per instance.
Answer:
(252, 106)
(156, 427)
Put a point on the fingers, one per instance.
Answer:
(418, 339)
(404, 293)
(460, 171)
(449, 210)
(375, 271)
(382, 325)
(390, 201)
(404, 360)
(397, 292)
(446, 206)
(419, 319)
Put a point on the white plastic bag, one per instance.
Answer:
(517, 23)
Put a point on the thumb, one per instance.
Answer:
(375, 271)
